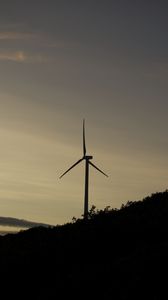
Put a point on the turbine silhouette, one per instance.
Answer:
(87, 159)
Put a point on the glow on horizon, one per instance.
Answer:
(30, 185)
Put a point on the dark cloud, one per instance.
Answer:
(14, 222)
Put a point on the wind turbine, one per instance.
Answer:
(87, 159)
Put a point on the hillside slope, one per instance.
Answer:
(116, 254)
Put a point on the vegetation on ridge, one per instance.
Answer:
(115, 254)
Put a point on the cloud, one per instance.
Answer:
(22, 57)
(39, 39)
(9, 35)
(22, 40)
(14, 222)
(15, 38)
(62, 44)
(18, 56)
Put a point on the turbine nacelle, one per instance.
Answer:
(88, 157)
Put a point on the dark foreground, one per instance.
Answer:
(116, 254)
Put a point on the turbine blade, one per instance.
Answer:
(71, 167)
(97, 168)
(84, 144)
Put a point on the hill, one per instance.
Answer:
(115, 254)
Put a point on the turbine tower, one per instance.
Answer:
(87, 159)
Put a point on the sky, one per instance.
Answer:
(62, 61)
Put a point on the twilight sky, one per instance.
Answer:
(65, 60)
